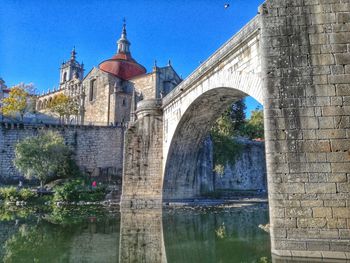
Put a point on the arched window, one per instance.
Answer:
(92, 93)
(39, 105)
(124, 102)
(64, 77)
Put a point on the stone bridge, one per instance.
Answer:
(294, 59)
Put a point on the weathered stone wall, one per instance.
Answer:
(142, 170)
(146, 84)
(97, 150)
(121, 113)
(156, 84)
(248, 172)
(99, 108)
(305, 55)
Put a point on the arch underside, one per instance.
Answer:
(186, 175)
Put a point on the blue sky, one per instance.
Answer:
(36, 36)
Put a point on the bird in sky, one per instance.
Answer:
(226, 5)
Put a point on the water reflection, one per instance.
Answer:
(145, 235)
(141, 236)
(59, 235)
(277, 259)
(211, 235)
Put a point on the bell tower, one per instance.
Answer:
(71, 69)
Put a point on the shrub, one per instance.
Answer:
(97, 194)
(13, 194)
(68, 191)
(26, 194)
(77, 190)
(9, 193)
(44, 157)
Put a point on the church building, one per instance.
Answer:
(108, 94)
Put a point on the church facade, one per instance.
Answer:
(108, 94)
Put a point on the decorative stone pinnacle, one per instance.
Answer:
(123, 43)
(124, 28)
(73, 54)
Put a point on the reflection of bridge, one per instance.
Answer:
(148, 236)
(293, 58)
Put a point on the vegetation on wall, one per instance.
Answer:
(226, 149)
(231, 124)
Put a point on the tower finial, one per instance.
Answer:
(124, 29)
(73, 54)
(123, 43)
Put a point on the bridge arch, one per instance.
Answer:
(188, 135)
(190, 110)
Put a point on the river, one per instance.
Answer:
(91, 234)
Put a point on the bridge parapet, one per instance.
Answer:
(248, 32)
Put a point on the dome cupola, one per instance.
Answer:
(122, 64)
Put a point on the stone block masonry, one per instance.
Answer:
(305, 57)
(97, 150)
(142, 170)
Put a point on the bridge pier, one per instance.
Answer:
(143, 154)
(304, 46)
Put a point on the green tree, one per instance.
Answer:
(64, 106)
(72, 108)
(19, 100)
(237, 114)
(254, 127)
(226, 127)
(44, 157)
(230, 124)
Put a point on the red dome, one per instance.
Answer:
(123, 66)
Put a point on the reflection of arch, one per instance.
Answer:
(191, 129)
